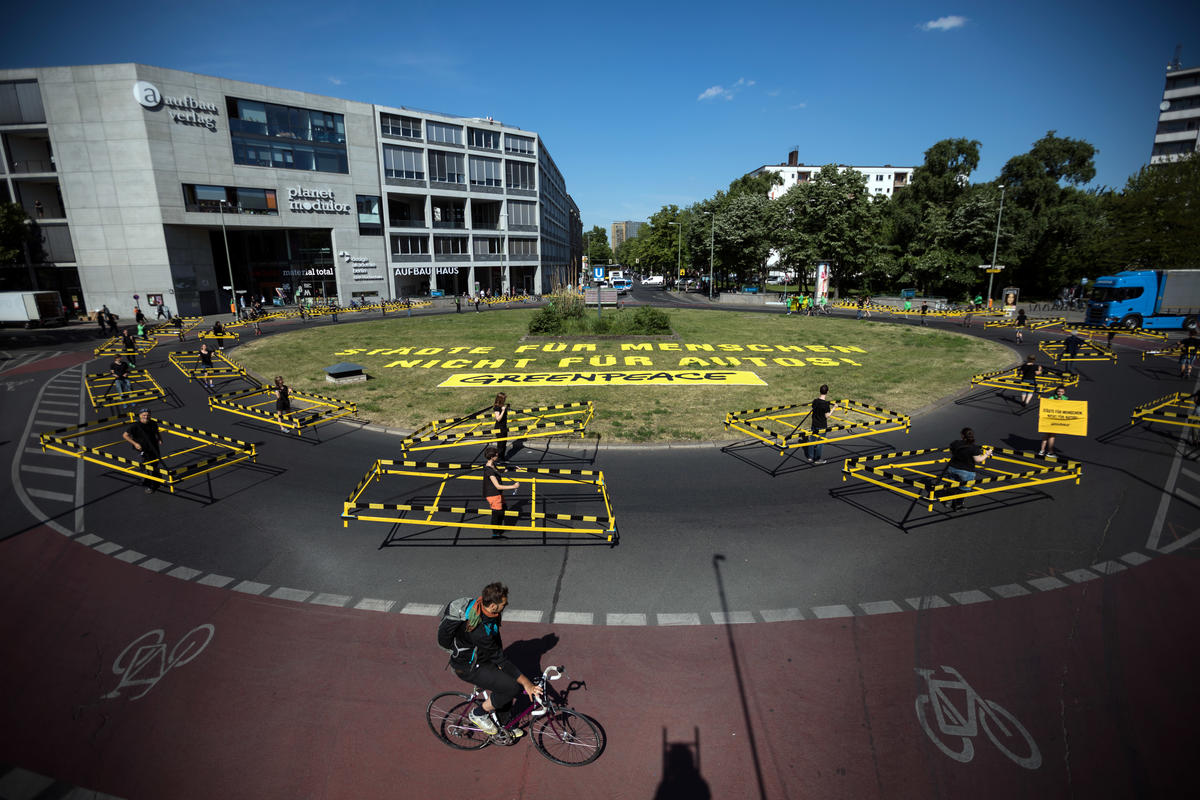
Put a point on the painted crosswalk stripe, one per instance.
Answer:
(832, 612)
(573, 618)
(60, 497)
(521, 615)
(326, 599)
(625, 619)
(1081, 575)
(881, 607)
(130, 556)
(108, 548)
(154, 564)
(929, 601)
(219, 581)
(60, 473)
(781, 614)
(969, 597)
(251, 587)
(678, 619)
(371, 604)
(424, 609)
(1046, 584)
(89, 539)
(184, 573)
(297, 595)
(1010, 590)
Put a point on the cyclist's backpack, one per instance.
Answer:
(454, 614)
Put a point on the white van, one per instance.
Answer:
(652, 280)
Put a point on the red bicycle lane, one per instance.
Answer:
(296, 700)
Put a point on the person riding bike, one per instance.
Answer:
(479, 659)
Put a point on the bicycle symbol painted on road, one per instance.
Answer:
(145, 660)
(1009, 736)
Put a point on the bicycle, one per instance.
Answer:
(561, 734)
(1008, 735)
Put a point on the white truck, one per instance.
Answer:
(31, 309)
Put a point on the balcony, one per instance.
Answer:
(33, 165)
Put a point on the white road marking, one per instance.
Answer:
(422, 609)
(732, 617)
(251, 587)
(969, 597)
(60, 497)
(297, 595)
(326, 599)
(154, 564)
(520, 615)
(371, 604)
(881, 607)
(573, 618)
(184, 573)
(930, 601)
(832, 612)
(625, 619)
(130, 556)
(1010, 590)
(1081, 575)
(108, 548)
(1135, 559)
(218, 581)
(678, 619)
(60, 473)
(1046, 584)
(89, 539)
(781, 614)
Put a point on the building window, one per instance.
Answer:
(393, 125)
(237, 199)
(410, 245)
(487, 246)
(403, 162)
(270, 135)
(522, 247)
(450, 245)
(878, 177)
(446, 167)
(804, 176)
(444, 134)
(481, 138)
(485, 172)
(521, 212)
(519, 175)
(449, 214)
(370, 220)
(519, 145)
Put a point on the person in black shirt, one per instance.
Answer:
(282, 403)
(821, 407)
(924, 311)
(1022, 321)
(206, 364)
(500, 415)
(144, 435)
(120, 373)
(493, 489)
(1071, 346)
(1187, 354)
(178, 323)
(129, 347)
(1029, 372)
(965, 456)
(479, 659)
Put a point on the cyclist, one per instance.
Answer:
(479, 659)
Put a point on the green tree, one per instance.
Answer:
(1155, 221)
(17, 234)
(832, 217)
(596, 246)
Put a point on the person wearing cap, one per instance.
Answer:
(145, 437)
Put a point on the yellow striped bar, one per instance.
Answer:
(1088, 351)
(921, 474)
(448, 495)
(785, 427)
(187, 452)
(1177, 409)
(1011, 379)
(102, 389)
(308, 409)
(479, 427)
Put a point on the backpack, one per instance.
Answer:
(454, 614)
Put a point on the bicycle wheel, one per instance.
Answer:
(447, 718)
(567, 737)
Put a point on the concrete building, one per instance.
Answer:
(883, 180)
(619, 232)
(142, 180)
(1178, 131)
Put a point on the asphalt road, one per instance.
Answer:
(709, 535)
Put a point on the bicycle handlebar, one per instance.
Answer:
(558, 673)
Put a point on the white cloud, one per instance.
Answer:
(336, 81)
(944, 23)
(723, 93)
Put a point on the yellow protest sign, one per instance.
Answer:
(1069, 417)
(697, 377)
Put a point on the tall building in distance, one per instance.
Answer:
(154, 185)
(620, 231)
(1178, 114)
(883, 180)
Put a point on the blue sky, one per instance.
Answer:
(642, 105)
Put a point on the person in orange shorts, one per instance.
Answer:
(493, 489)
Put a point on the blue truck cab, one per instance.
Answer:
(1146, 298)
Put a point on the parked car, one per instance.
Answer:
(652, 280)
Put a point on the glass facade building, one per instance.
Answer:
(146, 181)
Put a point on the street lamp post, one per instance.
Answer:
(678, 249)
(995, 246)
(711, 230)
(228, 261)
